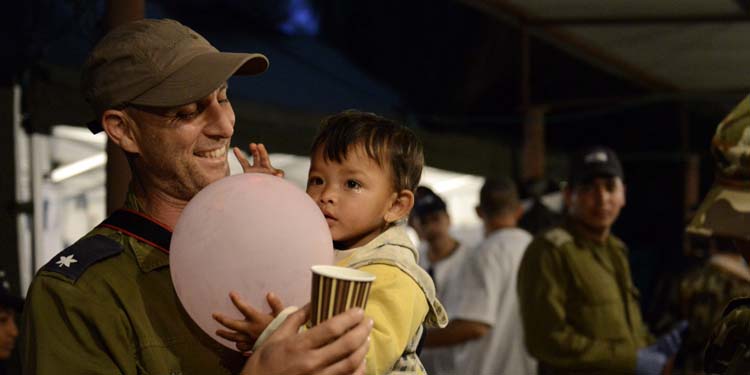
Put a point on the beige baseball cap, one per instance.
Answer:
(158, 63)
(725, 212)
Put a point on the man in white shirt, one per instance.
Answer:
(442, 255)
(487, 318)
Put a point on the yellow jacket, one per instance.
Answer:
(402, 297)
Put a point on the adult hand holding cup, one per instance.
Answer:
(337, 289)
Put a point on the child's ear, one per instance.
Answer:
(119, 127)
(400, 206)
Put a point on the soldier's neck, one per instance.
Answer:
(597, 235)
(159, 205)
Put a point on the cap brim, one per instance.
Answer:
(12, 302)
(725, 212)
(196, 79)
(594, 172)
(202, 75)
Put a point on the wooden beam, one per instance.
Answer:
(533, 145)
(513, 14)
(638, 21)
(525, 68)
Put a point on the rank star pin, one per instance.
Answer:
(66, 261)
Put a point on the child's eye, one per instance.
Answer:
(314, 181)
(351, 184)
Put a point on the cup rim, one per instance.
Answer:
(342, 273)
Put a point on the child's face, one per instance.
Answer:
(354, 196)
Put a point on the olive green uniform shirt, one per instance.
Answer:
(118, 315)
(579, 306)
(702, 295)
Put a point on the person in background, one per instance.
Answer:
(538, 216)
(701, 295)
(580, 309)
(724, 215)
(486, 325)
(442, 255)
(10, 307)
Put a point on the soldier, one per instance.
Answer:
(579, 306)
(725, 216)
(106, 304)
(701, 296)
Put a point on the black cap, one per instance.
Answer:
(598, 161)
(7, 299)
(427, 202)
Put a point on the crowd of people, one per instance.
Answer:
(560, 300)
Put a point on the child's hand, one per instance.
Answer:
(245, 332)
(261, 161)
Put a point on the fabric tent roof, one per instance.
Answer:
(685, 45)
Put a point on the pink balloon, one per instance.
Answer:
(251, 233)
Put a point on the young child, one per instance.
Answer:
(364, 170)
(363, 173)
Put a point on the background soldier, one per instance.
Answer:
(580, 309)
(725, 215)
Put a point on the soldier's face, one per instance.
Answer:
(8, 332)
(596, 204)
(183, 149)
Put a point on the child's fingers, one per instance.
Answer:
(275, 303)
(265, 161)
(237, 325)
(254, 150)
(263, 158)
(248, 311)
(244, 347)
(234, 336)
(241, 158)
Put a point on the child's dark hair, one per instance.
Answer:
(384, 141)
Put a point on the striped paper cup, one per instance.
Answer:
(336, 289)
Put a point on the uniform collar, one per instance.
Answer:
(611, 242)
(149, 258)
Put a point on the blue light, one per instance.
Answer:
(302, 19)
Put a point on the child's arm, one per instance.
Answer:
(398, 307)
(244, 332)
(261, 161)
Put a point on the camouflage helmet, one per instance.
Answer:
(725, 211)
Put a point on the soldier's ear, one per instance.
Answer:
(119, 127)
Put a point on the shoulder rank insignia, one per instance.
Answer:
(75, 259)
(558, 237)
